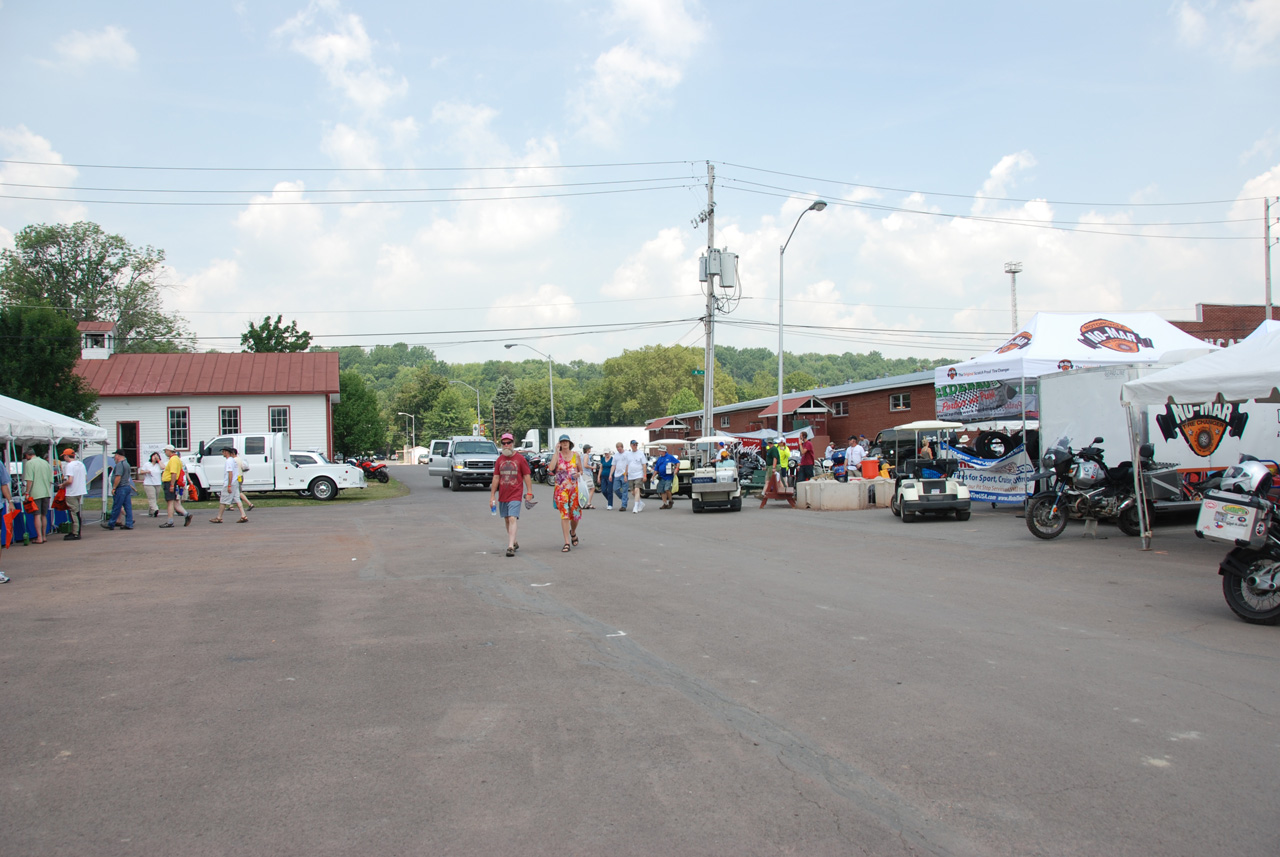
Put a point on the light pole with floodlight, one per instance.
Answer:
(552, 379)
(819, 205)
(413, 436)
(474, 390)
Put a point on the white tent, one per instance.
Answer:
(21, 422)
(1250, 369)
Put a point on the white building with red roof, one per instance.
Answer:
(146, 401)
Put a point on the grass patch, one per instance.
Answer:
(375, 491)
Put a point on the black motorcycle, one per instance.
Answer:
(537, 467)
(1242, 514)
(1083, 487)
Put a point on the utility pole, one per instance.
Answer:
(1266, 238)
(709, 358)
(1013, 269)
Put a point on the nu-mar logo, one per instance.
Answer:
(1101, 333)
(1202, 426)
(1021, 340)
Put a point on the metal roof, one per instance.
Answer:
(211, 374)
(912, 379)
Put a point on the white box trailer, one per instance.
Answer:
(1198, 440)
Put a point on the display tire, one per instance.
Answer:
(1041, 525)
(1238, 596)
(993, 444)
(1129, 522)
(324, 488)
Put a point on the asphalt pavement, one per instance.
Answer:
(383, 680)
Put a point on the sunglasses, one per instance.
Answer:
(508, 442)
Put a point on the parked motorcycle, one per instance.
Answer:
(1084, 487)
(537, 467)
(372, 469)
(1241, 514)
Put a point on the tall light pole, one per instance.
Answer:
(413, 437)
(817, 206)
(474, 390)
(1013, 269)
(552, 378)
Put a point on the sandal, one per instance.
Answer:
(243, 520)
(565, 549)
(215, 520)
(574, 539)
(516, 546)
(511, 551)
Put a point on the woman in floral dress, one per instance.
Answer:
(566, 466)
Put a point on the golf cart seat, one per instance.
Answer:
(914, 468)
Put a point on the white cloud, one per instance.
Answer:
(630, 79)
(351, 147)
(661, 262)
(109, 45)
(1192, 26)
(338, 43)
(1246, 32)
(20, 144)
(548, 304)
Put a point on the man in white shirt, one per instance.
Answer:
(853, 457)
(76, 484)
(631, 467)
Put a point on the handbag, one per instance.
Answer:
(29, 506)
(9, 518)
(60, 500)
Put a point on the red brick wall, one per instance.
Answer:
(1225, 324)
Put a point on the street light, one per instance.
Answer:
(474, 390)
(413, 436)
(552, 378)
(817, 206)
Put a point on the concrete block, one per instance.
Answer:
(834, 496)
(883, 491)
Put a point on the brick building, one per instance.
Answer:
(1226, 324)
(831, 413)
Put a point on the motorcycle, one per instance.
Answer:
(537, 467)
(1083, 487)
(1242, 514)
(372, 469)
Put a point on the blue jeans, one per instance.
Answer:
(620, 486)
(122, 498)
(606, 488)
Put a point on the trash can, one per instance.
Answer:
(870, 468)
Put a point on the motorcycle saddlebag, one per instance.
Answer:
(1239, 519)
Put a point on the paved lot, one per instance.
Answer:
(382, 680)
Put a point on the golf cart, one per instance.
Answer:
(927, 485)
(715, 482)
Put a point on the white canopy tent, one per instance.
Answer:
(23, 423)
(1248, 370)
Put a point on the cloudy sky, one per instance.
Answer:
(443, 173)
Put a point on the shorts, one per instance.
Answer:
(42, 504)
(169, 492)
(229, 497)
(664, 485)
(635, 484)
(509, 510)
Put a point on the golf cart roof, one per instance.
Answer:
(929, 425)
(714, 439)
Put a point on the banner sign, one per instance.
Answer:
(986, 400)
(1001, 480)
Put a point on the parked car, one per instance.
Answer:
(462, 460)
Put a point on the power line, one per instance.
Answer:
(977, 196)
(512, 168)
(507, 330)
(402, 311)
(453, 189)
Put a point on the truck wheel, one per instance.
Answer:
(454, 484)
(963, 514)
(444, 481)
(735, 505)
(202, 493)
(324, 488)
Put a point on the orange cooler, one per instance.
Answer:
(870, 468)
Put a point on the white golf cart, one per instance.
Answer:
(927, 485)
(715, 479)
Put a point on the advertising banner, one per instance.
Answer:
(987, 400)
(1002, 480)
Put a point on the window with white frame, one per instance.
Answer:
(180, 428)
(278, 418)
(840, 409)
(724, 421)
(900, 402)
(228, 421)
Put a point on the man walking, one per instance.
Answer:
(771, 462)
(666, 469)
(510, 474)
(230, 487)
(172, 479)
(75, 483)
(630, 468)
(38, 477)
(121, 493)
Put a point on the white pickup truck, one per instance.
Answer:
(272, 467)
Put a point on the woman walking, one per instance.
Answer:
(604, 477)
(566, 467)
(151, 473)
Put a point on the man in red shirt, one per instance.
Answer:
(510, 474)
(806, 458)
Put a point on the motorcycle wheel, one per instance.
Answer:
(1253, 607)
(1129, 522)
(1041, 521)
(383, 477)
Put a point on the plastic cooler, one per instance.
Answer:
(870, 468)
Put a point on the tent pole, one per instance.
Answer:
(1140, 495)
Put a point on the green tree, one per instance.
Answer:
(91, 276)
(797, 381)
(504, 405)
(358, 426)
(272, 336)
(683, 402)
(452, 413)
(417, 394)
(37, 361)
(638, 385)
